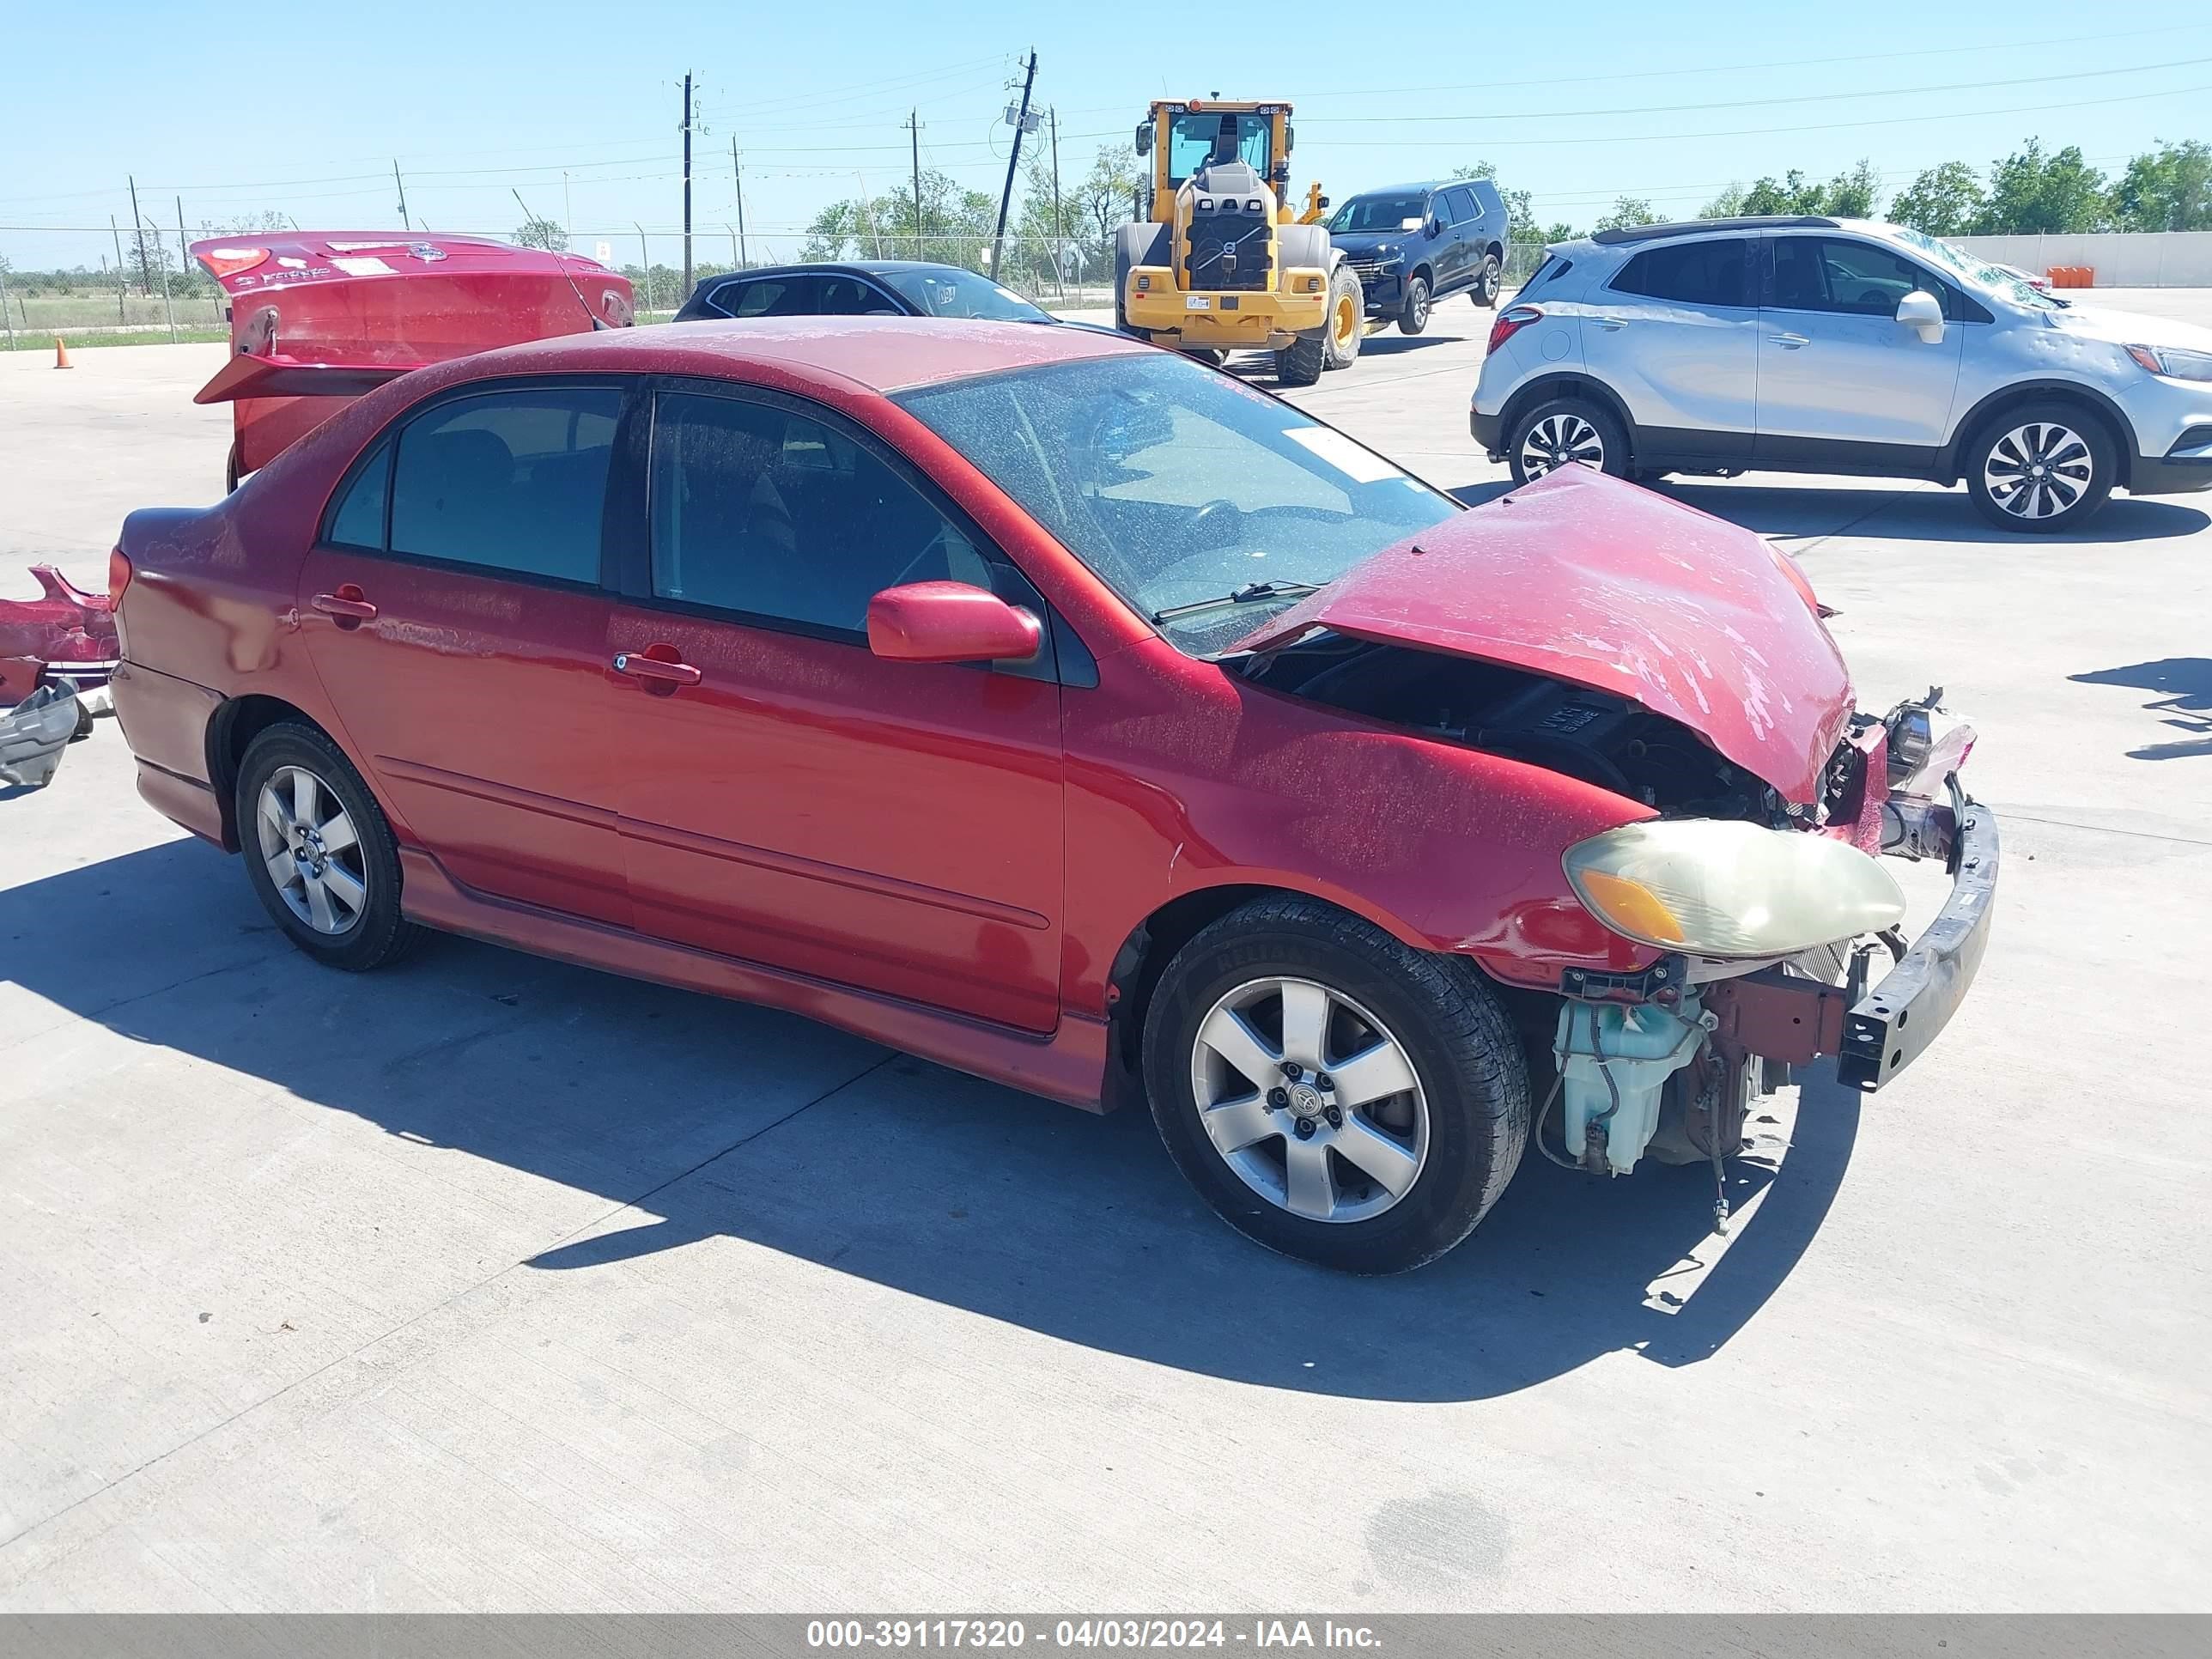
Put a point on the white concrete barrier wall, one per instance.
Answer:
(2161, 258)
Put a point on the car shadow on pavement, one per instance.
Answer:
(1919, 515)
(2186, 704)
(714, 1118)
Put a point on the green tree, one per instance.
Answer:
(1793, 193)
(953, 228)
(541, 233)
(1729, 204)
(1853, 195)
(1628, 210)
(1943, 201)
(2167, 189)
(1521, 226)
(2031, 192)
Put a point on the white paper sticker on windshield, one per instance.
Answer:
(1360, 465)
(363, 267)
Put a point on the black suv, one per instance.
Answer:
(1412, 245)
(878, 287)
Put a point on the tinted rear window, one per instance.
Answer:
(1694, 273)
(510, 480)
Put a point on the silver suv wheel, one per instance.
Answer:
(2039, 470)
(1557, 440)
(1309, 1099)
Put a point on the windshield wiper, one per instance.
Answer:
(1244, 595)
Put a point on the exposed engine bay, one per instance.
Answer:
(1594, 736)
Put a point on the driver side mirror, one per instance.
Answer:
(1144, 138)
(1924, 312)
(949, 621)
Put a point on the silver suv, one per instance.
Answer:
(1836, 345)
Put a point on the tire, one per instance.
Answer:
(1563, 430)
(230, 473)
(362, 932)
(1487, 281)
(1347, 319)
(2075, 448)
(1301, 362)
(1414, 315)
(1454, 1137)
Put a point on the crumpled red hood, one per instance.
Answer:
(1586, 578)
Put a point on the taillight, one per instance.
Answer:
(118, 577)
(224, 261)
(1510, 321)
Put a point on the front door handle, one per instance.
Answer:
(1610, 323)
(1789, 342)
(348, 606)
(660, 667)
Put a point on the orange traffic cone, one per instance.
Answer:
(61, 354)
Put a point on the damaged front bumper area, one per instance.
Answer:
(1875, 1032)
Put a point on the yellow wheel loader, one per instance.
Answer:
(1215, 261)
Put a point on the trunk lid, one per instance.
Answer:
(1594, 581)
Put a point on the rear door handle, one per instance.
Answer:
(1789, 342)
(659, 666)
(348, 606)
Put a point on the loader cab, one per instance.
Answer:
(1183, 140)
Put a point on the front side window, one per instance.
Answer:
(763, 511)
(947, 291)
(1199, 141)
(1178, 485)
(513, 481)
(1387, 212)
(772, 296)
(1707, 273)
(1818, 273)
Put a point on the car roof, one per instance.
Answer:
(880, 354)
(1619, 235)
(849, 267)
(1401, 189)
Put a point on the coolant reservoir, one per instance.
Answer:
(1642, 1046)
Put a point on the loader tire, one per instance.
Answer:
(1347, 326)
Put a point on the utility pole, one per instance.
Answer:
(145, 272)
(122, 285)
(686, 288)
(1006, 196)
(1059, 226)
(739, 173)
(913, 134)
(568, 207)
(400, 185)
(644, 265)
(168, 308)
(184, 254)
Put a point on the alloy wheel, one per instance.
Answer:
(312, 850)
(1557, 440)
(1310, 1100)
(2039, 470)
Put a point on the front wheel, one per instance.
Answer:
(1564, 430)
(1332, 1093)
(1346, 312)
(1413, 315)
(2040, 468)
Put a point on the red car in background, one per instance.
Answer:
(318, 317)
(1061, 710)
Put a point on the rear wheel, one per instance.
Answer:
(1346, 312)
(2041, 467)
(318, 852)
(1300, 363)
(1563, 431)
(1332, 1093)
(1414, 315)
(1487, 281)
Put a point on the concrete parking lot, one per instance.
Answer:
(488, 1283)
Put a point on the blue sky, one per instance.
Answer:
(301, 110)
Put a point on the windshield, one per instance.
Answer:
(1979, 272)
(1378, 212)
(1198, 141)
(948, 291)
(1177, 484)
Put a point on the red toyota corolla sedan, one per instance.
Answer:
(1066, 712)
